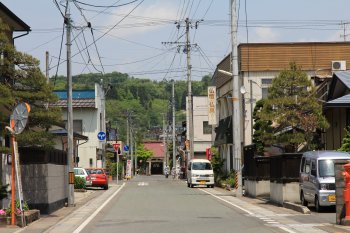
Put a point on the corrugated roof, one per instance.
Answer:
(344, 77)
(156, 147)
(343, 101)
(78, 94)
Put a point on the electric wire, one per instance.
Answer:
(98, 53)
(110, 6)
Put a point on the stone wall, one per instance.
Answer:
(255, 188)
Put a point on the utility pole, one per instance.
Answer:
(131, 149)
(69, 111)
(135, 153)
(187, 45)
(174, 135)
(189, 92)
(236, 98)
(164, 145)
(47, 66)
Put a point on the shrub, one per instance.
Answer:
(79, 182)
(113, 169)
(17, 208)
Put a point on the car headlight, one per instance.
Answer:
(211, 175)
(195, 175)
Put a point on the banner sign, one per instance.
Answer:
(128, 169)
(212, 105)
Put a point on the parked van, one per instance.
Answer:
(317, 177)
(200, 172)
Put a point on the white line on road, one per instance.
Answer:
(241, 208)
(88, 220)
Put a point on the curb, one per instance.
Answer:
(296, 207)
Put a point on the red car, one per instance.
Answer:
(98, 177)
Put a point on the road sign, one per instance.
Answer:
(19, 117)
(101, 136)
(116, 147)
(126, 148)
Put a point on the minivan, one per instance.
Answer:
(200, 172)
(317, 177)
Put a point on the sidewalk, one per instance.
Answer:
(47, 221)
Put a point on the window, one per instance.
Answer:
(313, 168)
(264, 92)
(307, 166)
(266, 81)
(206, 128)
(201, 166)
(302, 166)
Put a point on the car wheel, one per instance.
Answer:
(188, 184)
(105, 187)
(302, 199)
(318, 208)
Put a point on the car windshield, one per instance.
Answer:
(201, 166)
(326, 168)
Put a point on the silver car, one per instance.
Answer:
(317, 177)
(81, 172)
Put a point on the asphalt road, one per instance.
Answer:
(157, 205)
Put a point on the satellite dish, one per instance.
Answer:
(19, 117)
(243, 90)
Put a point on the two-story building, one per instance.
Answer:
(88, 120)
(258, 64)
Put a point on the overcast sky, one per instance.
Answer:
(128, 37)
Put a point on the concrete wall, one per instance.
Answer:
(280, 192)
(45, 186)
(255, 188)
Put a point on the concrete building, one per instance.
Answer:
(88, 120)
(202, 130)
(258, 64)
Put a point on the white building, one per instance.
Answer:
(88, 120)
(202, 130)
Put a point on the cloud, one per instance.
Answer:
(264, 35)
(144, 19)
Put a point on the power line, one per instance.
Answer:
(109, 6)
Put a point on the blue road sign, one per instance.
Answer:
(101, 136)
(126, 148)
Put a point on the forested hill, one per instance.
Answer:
(147, 99)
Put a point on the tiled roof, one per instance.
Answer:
(76, 103)
(156, 147)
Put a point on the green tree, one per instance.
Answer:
(345, 145)
(294, 110)
(142, 156)
(22, 81)
(262, 129)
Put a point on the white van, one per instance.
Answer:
(317, 177)
(200, 172)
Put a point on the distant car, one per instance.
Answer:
(200, 172)
(98, 177)
(81, 172)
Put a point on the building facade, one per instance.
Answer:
(88, 120)
(258, 65)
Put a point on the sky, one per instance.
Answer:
(131, 36)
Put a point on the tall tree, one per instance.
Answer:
(293, 109)
(22, 81)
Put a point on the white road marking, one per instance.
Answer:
(243, 209)
(142, 184)
(88, 220)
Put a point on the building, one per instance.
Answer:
(258, 64)
(157, 162)
(88, 120)
(201, 129)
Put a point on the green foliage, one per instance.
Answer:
(116, 168)
(4, 191)
(217, 162)
(345, 145)
(17, 207)
(262, 129)
(79, 182)
(142, 156)
(294, 110)
(22, 81)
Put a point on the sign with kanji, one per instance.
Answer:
(212, 105)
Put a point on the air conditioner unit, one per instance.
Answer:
(338, 65)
